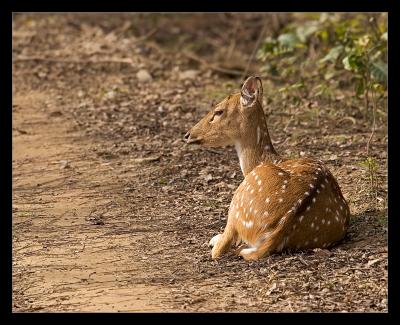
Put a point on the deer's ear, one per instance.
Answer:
(251, 91)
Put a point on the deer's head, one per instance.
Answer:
(230, 120)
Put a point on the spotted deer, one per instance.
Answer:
(281, 205)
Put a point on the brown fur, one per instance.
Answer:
(290, 205)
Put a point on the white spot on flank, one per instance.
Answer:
(317, 227)
(322, 185)
(259, 182)
(249, 224)
(266, 213)
(306, 243)
(341, 208)
(285, 181)
(307, 193)
(318, 191)
(312, 186)
(280, 174)
(312, 224)
(329, 222)
(280, 200)
(258, 135)
(267, 200)
(237, 215)
(314, 200)
(323, 221)
(326, 181)
(252, 191)
(337, 219)
(301, 218)
(315, 239)
(308, 208)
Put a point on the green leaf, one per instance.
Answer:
(333, 54)
(360, 87)
(369, 163)
(304, 32)
(289, 40)
(379, 71)
(324, 34)
(378, 88)
(353, 63)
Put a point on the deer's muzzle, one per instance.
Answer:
(189, 139)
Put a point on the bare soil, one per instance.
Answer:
(113, 212)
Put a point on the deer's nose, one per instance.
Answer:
(187, 136)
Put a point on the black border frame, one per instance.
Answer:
(185, 6)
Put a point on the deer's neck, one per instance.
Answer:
(255, 146)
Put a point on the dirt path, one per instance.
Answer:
(65, 252)
(111, 212)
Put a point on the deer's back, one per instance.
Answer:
(300, 189)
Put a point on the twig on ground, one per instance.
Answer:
(146, 36)
(194, 57)
(373, 121)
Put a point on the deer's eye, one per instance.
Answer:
(218, 112)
